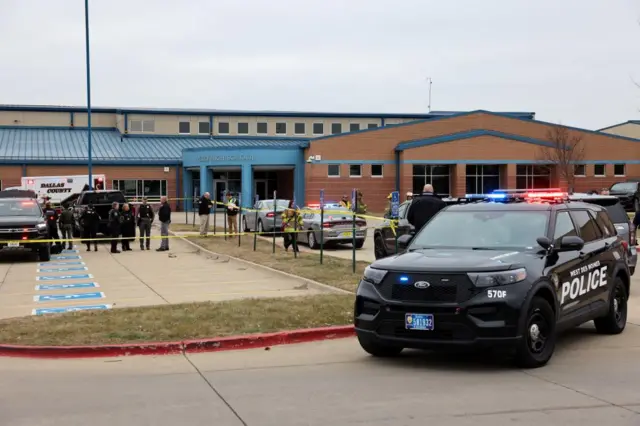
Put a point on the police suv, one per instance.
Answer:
(510, 270)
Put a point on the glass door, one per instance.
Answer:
(219, 191)
(262, 189)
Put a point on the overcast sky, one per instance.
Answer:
(570, 61)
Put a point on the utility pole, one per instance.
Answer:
(88, 61)
(430, 81)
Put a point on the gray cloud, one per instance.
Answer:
(569, 61)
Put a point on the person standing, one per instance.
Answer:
(90, 221)
(52, 221)
(144, 221)
(66, 226)
(291, 224)
(128, 227)
(115, 222)
(232, 213)
(424, 207)
(164, 214)
(204, 210)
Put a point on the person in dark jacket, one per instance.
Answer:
(115, 222)
(164, 215)
(90, 220)
(66, 226)
(52, 221)
(204, 209)
(424, 207)
(144, 221)
(128, 227)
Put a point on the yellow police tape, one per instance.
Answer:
(159, 237)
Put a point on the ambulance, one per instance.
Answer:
(58, 188)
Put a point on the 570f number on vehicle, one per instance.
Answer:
(496, 294)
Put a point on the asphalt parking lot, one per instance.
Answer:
(591, 380)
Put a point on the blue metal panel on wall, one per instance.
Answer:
(247, 185)
(187, 183)
(238, 157)
(298, 179)
(205, 182)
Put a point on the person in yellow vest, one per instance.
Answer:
(291, 224)
(345, 202)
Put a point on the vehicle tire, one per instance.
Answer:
(44, 253)
(359, 244)
(260, 228)
(244, 225)
(636, 204)
(311, 238)
(632, 270)
(379, 350)
(378, 247)
(538, 341)
(76, 232)
(615, 320)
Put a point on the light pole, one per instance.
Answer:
(88, 60)
(430, 83)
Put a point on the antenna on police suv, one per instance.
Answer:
(430, 81)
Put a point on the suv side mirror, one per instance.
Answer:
(404, 241)
(544, 242)
(571, 243)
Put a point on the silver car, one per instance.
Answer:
(263, 217)
(337, 225)
(620, 220)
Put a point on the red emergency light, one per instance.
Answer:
(30, 182)
(27, 204)
(547, 195)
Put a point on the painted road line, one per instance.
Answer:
(64, 277)
(59, 263)
(65, 297)
(65, 286)
(79, 268)
(60, 257)
(69, 251)
(44, 311)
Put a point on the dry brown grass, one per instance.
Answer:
(178, 322)
(334, 271)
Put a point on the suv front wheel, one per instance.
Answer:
(538, 337)
(44, 253)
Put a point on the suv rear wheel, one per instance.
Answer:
(538, 337)
(615, 320)
(44, 253)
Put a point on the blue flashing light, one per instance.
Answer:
(494, 196)
(497, 196)
(482, 196)
(404, 279)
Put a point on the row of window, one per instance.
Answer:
(355, 170)
(138, 188)
(599, 170)
(592, 227)
(244, 128)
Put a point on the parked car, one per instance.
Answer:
(266, 218)
(337, 225)
(620, 220)
(22, 222)
(628, 193)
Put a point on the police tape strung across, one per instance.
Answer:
(583, 280)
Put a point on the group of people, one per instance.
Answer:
(204, 210)
(122, 225)
(361, 207)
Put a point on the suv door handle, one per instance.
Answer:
(583, 255)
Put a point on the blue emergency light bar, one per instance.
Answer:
(491, 196)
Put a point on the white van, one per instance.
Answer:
(57, 188)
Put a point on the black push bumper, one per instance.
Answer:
(479, 321)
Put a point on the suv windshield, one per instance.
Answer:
(10, 207)
(624, 187)
(483, 230)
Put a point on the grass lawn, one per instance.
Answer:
(334, 271)
(179, 322)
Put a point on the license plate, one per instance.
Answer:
(347, 234)
(13, 245)
(418, 321)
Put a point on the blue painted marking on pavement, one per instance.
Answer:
(64, 277)
(65, 286)
(79, 268)
(59, 257)
(59, 263)
(43, 311)
(69, 251)
(59, 297)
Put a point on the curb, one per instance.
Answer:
(249, 341)
(257, 265)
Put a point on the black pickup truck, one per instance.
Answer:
(21, 223)
(101, 200)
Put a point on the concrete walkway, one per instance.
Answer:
(101, 280)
